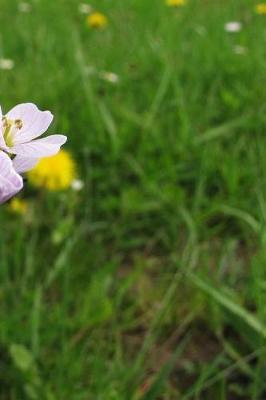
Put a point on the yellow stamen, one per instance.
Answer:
(10, 127)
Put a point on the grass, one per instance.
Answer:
(150, 283)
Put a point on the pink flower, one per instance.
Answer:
(18, 129)
(10, 181)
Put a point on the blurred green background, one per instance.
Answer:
(150, 282)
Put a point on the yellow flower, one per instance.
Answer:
(261, 8)
(97, 20)
(18, 206)
(175, 3)
(54, 173)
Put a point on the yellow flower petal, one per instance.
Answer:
(175, 3)
(97, 20)
(261, 8)
(54, 173)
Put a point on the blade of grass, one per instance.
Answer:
(222, 299)
(221, 130)
(158, 98)
(226, 372)
(247, 218)
(158, 384)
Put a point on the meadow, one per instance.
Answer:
(149, 282)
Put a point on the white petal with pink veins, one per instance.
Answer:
(10, 181)
(45, 147)
(34, 121)
(23, 164)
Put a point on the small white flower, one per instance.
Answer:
(109, 76)
(6, 63)
(240, 49)
(24, 7)
(233, 26)
(77, 185)
(85, 8)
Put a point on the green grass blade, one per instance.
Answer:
(237, 310)
(158, 384)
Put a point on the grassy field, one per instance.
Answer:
(150, 283)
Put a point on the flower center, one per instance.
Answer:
(10, 128)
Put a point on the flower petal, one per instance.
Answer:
(35, 122)
(10, 182)
(45, 147)
(2, 140)
(23, 164)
